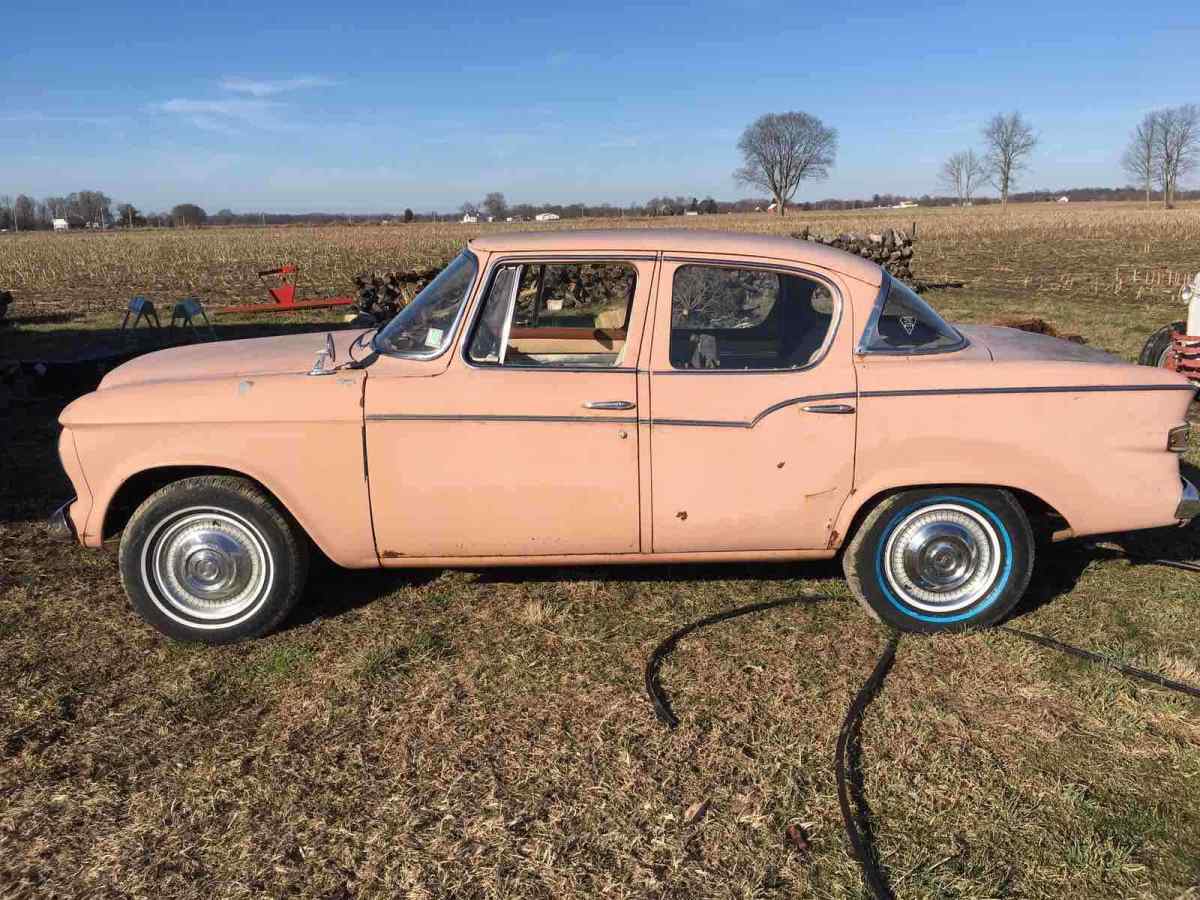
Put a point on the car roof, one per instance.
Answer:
(681, 240)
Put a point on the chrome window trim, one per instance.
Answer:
(835, 322)
(534, 259)
(451, 332)
(872, 329)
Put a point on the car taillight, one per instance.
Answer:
(1177, 438)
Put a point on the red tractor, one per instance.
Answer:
(1177, 346)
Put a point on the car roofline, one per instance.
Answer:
(673, 241)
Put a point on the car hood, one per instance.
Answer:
(288, 354)
(1014, 345)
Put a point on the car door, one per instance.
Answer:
(753, 406)
(527, 444)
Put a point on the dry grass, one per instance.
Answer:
(486, 735)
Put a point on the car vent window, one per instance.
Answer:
(907, 324)
(572, 314)
(726, 317)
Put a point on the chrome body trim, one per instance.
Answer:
(784, 404)
(1189, 502)
(449, 417)
(1033, 389)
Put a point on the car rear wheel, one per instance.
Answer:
(212, 559)
(941, 559)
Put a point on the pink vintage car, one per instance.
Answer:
(623, 397)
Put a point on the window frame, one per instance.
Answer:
(495, 265)
(835, 321)
(872, 329)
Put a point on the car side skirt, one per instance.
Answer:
(396, 561)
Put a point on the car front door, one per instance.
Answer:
(527, 444)
(753, 406)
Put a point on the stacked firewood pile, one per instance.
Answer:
(891, 248)
(383, 294)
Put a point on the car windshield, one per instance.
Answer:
(423, 327)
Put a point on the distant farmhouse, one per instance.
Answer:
(1064, 199)
(470, 218)
(546, 217)
(61, 225)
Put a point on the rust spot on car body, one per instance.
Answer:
(681, 515)
(391, 554)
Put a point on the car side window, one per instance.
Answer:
(555, 314)
(904, 323)
(726, 317)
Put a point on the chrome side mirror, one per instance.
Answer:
(324, 364)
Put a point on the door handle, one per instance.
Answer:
(837, 409)
(609, 404)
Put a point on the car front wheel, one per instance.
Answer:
(212, 559)
(941, 559)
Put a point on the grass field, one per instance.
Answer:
(486, 734)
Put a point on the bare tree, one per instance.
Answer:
(23, 211)
(495, 205)
(6, 204)
(1177, 143)
(962, 173)
(779, 150)
(1140, 159)
(1010, 140)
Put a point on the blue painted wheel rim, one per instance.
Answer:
(978, 606)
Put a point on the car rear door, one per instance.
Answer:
(753, 409)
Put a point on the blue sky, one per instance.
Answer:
(375, 107)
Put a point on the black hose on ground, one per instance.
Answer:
(850, 800)
(849, 788)
(658, 697)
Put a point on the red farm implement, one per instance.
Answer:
(281, 286)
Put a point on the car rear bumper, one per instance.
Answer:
(61, 526)
(1189, 503)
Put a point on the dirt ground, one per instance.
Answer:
(487, 734)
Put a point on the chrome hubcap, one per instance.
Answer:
(206, 564)
(942, 557)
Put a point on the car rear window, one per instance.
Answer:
(731, 317)
(907, 324)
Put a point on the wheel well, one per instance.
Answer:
(137, 488)
(1044, 519)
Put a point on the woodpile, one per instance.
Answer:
(383, 294)
(891, 248)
